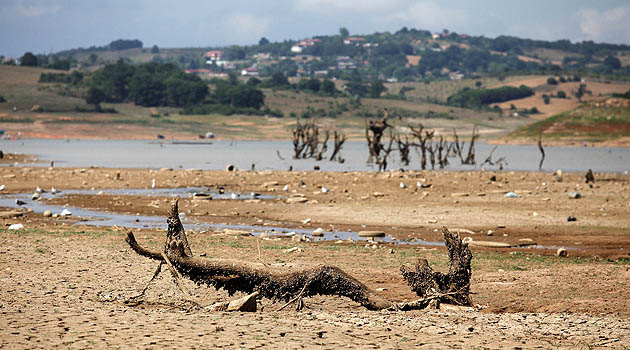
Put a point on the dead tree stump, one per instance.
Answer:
(451, 288)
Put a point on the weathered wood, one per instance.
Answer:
(453, 287)
(246, 277)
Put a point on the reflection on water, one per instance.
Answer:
(277, 155)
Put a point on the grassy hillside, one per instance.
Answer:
(592, 123)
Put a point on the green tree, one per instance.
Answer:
(561, 94)
(612, 62)
(580, 92)
(344, 32)
(278, 79)
(376, 89)
(28, 60)
(155, 49)
(263, 41)
(94, 97)
(546, 99)
(328, 87)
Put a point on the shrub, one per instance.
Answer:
(477, 98)
(552, 81)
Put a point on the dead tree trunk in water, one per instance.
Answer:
(234, 276)
(381, 160)
(470, 158)
(340, 138)
(324, 147)
(444, 148)
(458, 147)
(377, 129)
(404, 148)
(542, 150)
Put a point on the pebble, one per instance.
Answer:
(65, 212)
(295, 200)
(35, 196)
(561, 252)
(16, 227)
(371, 233)
(2, 187)
(571, 218)
(285, 188)
(378, 194)
(490, 232)
(575, 195)
(402, 185)
(306, 221)
(319, 232)
(460, 194)
(19, 202)
(47, 213)
(324, 190)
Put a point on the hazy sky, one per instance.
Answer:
(42, 26)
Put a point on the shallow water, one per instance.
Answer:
(104, 219)
(264, 155)
(101, 219)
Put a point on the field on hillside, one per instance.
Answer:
(589, 123)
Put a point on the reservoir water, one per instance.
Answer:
(277, 155)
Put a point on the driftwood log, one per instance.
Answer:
(233, 275)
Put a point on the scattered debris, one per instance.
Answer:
(10, 214)
(371, 234)
(294, 200)
(16, 227)
(589, 176)
(319, 232)
(244, 304)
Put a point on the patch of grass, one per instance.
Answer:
(586, 123)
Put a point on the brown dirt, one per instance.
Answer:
(62, 284)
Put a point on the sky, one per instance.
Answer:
(45, 26)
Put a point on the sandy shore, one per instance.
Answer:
(63, 283)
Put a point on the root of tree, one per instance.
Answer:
(238, 276)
